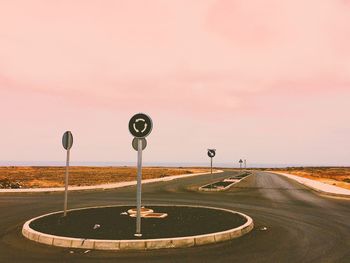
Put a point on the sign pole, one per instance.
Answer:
(139, 187)
(211, 154)
(66, 184)
(67, 142)
(240, 164)
(140, 126)
(211, 168)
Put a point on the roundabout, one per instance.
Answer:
(113, 227)
(290, 222)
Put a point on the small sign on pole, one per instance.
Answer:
(135, 143)
(67, 142)
(240, 164)
(211, 154)
(140, 126)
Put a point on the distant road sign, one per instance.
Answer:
(67, 140)
(135, 142)
(240, 161)
(211, 153)
(140, 125)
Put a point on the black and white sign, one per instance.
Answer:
(140, 125)
(211, 153)
(135, 143)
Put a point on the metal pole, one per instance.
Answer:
(66, 185)
(138, 194)
(211, 170)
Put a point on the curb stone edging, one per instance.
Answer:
(304, 181)
(103, 186)
(145, 244)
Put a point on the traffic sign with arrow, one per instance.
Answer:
(211, 153)
(140, 125)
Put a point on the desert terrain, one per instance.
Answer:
(47, 176)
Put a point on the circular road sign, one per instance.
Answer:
(211, 153)
(67, 140)
(135, 143)
(140, 125)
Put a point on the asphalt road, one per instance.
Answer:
(292, 223)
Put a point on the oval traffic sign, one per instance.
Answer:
(140, 125)
(135, 143)
(211, 153)
(67, 140)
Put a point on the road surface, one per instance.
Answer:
(292, 223)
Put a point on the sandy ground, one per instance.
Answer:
(338, 176)
(34, 177)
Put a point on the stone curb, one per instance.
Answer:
(344, 193)
(145, 244)
(221, 189)
(103, 186)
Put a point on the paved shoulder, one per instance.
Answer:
(319, 186)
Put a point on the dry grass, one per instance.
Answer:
(30, 177)
(339, 176)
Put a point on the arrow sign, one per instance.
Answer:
(211, 153)
(140, 125)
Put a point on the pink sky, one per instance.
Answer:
(268, 81)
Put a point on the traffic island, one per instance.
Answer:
(112, 228)
(224, 184)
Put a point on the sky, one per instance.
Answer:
(267, 81)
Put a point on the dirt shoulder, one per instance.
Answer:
(338, 176)
(48, 176)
